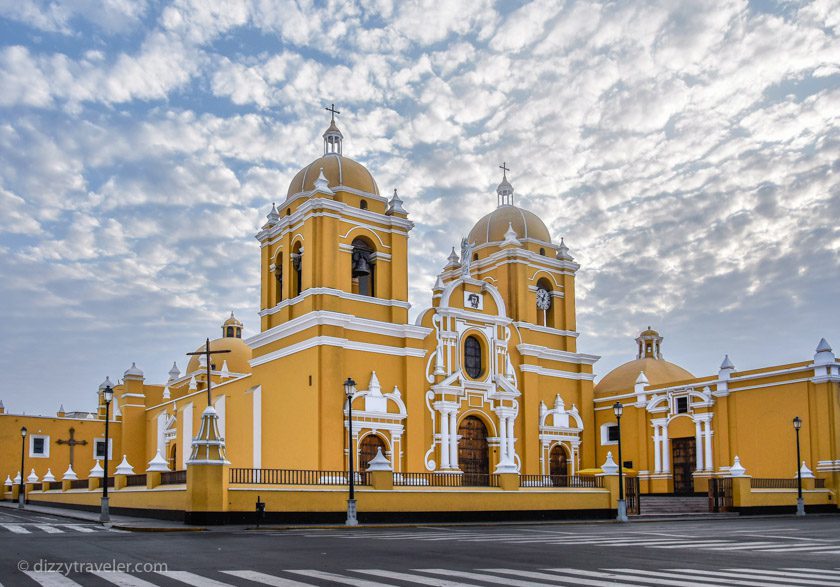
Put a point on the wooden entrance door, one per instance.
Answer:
(683, 461)
(473, 452)
(558, 466)
(367, 450)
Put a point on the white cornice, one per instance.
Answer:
(543, 352)
(546, 330)
(556, 373)
(343, 211)
(347, 321)
(329, 291)
(338, 342)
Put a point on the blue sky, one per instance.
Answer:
(687, 152)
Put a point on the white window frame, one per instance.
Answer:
(675, 400)
(101, 439)
(605, 434)
(46, 453)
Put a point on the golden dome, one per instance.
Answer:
(339, 171)
(492, 227)
(657, 371)
(238, 359)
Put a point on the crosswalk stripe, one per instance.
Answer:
(820, 571)
(695, 544)
(49, 529)
(122, 579)
(555, 578)
(78, 528)
(16, 529)
(740, 546)
(626, 577)
(492, 579)
(699, 579)
(265, 579)
(50, 579)
(344, 580)
(751, 574)
(410, 578)
(803, 578)
(193, 579)
(813, 548)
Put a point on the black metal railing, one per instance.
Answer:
(135, 480)
(582, 481)
(819, 483)
(720, 494)
(632, 495)
(37, 486)
(173, 478)
(772, 483)
(445, 480)
(295, 477)
(79, 484)
(110, 481)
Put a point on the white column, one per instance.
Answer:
(666, 450)
(503, 445)
(187, 437)
(698, 444)
(657, 449)
(511, 441)
(708, 425)
(444, 440)
(453, 439)
(256, 451)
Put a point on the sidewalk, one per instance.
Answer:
(129, 523)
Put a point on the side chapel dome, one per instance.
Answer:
(648, 359)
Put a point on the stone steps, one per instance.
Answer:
(676, 504)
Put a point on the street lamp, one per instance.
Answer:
(622, 506)
(800, 503)
(22, 493)
(350, 391)
(107, 395)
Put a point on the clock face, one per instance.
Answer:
(543, 299)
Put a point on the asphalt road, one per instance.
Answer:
(750, 552)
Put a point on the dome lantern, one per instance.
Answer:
(232, 327)
(505, 189)
(650, 344)
(332, 136)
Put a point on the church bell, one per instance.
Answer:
(361, 266)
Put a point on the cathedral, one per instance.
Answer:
(487, 381)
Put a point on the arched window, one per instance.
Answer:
(363, 268)
(288, 211)
(173, 457)
(472, 357)
(475, 256)
(544, 302)
(297, 267)
(542, 251)
(278, 275)
(230, 332)
(363, 204)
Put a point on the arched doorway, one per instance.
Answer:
(558, 466)
(368, 448)
(473, 452)
(173, 457)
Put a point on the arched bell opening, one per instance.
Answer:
(363, 267)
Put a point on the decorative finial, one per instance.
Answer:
(332, 136)
(563, 253)
(273, 216)
(332, 111)
(510, 236)
(505, 189)
(395, 205)
(453, 259)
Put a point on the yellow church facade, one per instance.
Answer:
(487, 386)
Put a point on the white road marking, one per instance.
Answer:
(491, 578)
(15, 528)
(743, 574)
(50, 579)
(49, 529)
(625, 575)
(411, 578)
(821, 571)
(812, 548)
(554, 577)
(338, 578)
(122, 579)
(804, 578)
(193, 579)
(701, 576)
(78, 528)
(265, 579)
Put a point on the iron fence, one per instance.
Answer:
(445, 480)
(295, 477)
(757, 483)
(135, 480)
(79, 484)
(173, 478)
(720, 494)
(632, 495)
(583, 481)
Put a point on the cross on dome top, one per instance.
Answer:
(332, 136)
(505, 189)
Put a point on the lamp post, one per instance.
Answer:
(22, 493)
(622, 505)
(350, 391)
(104, 514)
(800, 503)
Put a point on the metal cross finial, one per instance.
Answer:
(333, 111)
(207, 352)
(72, 442)
(504, 169)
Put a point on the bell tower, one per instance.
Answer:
(335, 244)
